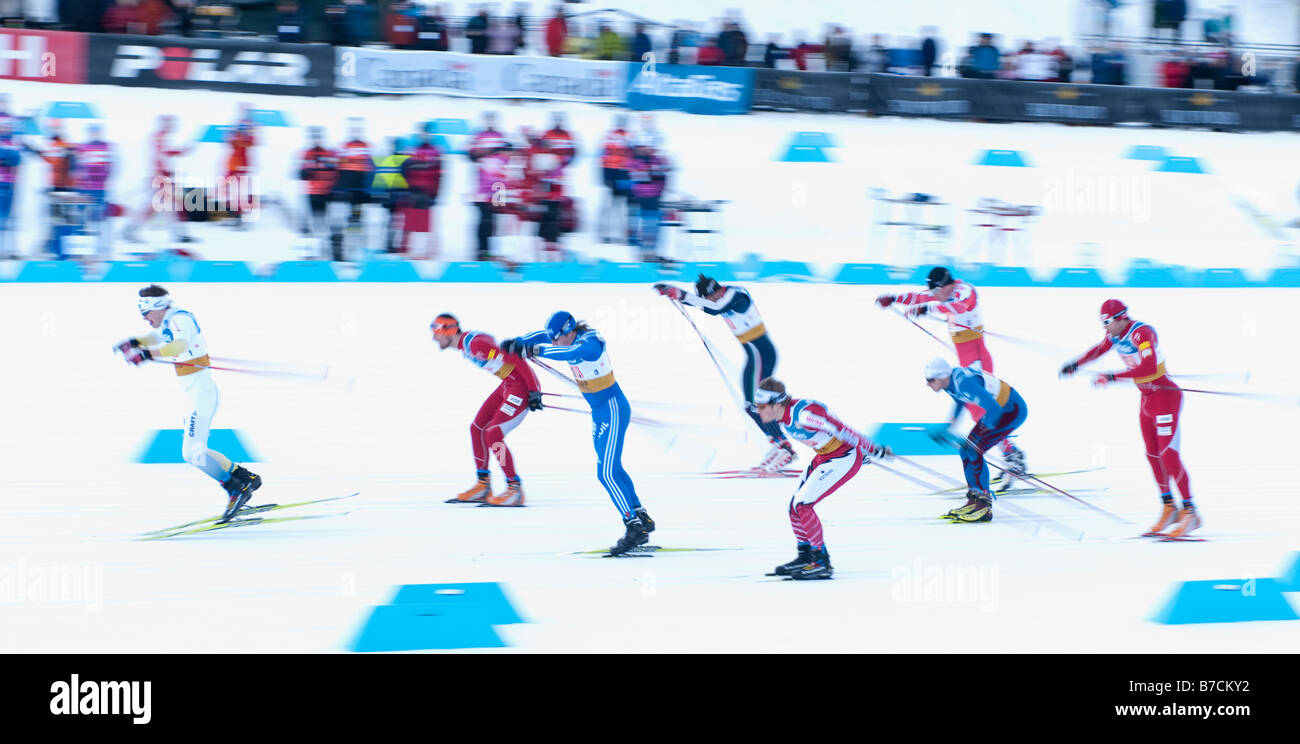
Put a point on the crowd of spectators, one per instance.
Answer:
(492, 29)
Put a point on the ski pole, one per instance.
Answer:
(708, 347)
(945, 344)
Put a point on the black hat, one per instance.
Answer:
(706, 285)
(939, 276)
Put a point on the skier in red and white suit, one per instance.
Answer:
(958, 302)
(1159, 413)
(840, 454)
(162, 182)
(518, 393)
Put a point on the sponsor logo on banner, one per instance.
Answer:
(482, 76)
(692, 88)
(217, 64)
(47, 56)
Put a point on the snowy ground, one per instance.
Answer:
(1097, 205)
(391, 419)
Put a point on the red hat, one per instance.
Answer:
(1112, 309)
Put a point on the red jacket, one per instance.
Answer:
(556, 32)
(710, 55)
(401, 30)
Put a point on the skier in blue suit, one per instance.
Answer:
(567, 340)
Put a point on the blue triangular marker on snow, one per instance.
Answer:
(911, 439)
(1290, 579)
(449, 126)
(1011, 158)
(813, 139)
(1226, 601)
(70, 110)
(438, 616)
(215, 133)
(1147, 152)
(28, 126)
(165, 446)
(803, 154)
(1179, 164)
(270, 118)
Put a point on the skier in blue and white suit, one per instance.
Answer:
(567, 340)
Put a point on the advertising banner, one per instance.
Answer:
(246, 66)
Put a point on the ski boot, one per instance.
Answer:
(1168, 518)
(982, 511)
(1188, 520)
(817, 568)
(240, 487)
(479, 492)
(637, 534)
(802, 558)
(972, 502)
(512, 496)
(1015, 469)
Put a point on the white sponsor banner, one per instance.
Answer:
(480, 75)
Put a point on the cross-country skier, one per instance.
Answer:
(503, 410)
(583, 348)
(958, 302)
(841, 452)
(1160, 411)
(740, 314)
(1003, 412)
(179, 341)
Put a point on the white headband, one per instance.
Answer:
(149, 304)
(765, 397)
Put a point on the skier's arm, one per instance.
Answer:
(731, 300)
(827, 423)
(973, 386)
(1087, 356)
(584, 350)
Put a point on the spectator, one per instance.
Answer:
(877, 56)
(773, 52)
(521, 22)
(400, 26)
(1295, 76)
(476, 30)
(1218, 30)
(433, 30)
(710, 53)
(1033, 65)
(929, 50)
(84, 16)
(1064, 64)
(122, 18)
(685, 45)
(1176, 72)
(734, 45)
(1168, 14)
(578, 44)
(641, 44)
(802, 50)
(184, 16)
(336, 21)
(359, 19)
(986, 60)
(838, 49)
(1108, 67)
(503, 36)
(290, 26)
(609, 45)
(557, 29)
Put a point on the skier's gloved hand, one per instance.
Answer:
(943, 434)
(885, 300)
(1103, 379)
(880, 452)
(669, 291)
(137, 356)
(1069, 368)
(513, 346)
(917, 311)
(534, 400)
(124, 347)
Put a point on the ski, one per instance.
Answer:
(754, 473)
(649, 550)
(247, 510)
(1031, 475)
(247, 522)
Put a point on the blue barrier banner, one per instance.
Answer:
(695, 89)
